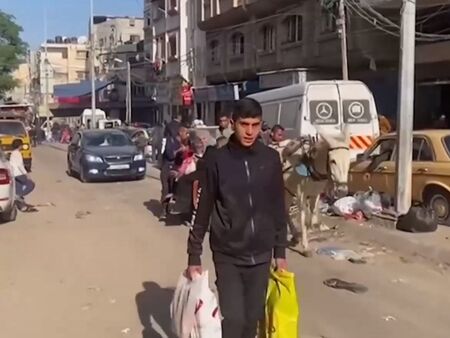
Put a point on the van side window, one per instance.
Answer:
(289, 113)
(270, 113)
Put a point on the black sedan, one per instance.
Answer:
(104, 154)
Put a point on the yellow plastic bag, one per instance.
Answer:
(282, 307)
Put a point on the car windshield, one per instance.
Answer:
(12, 128)
(107, 140)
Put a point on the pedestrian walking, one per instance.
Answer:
(173, 147)
(24, 185)
(244, 198)
(278, 142)
(225, 129)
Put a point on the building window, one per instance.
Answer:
(82, 54)
(81, 75)
(132, 22)
(172, 45)
(237, 44)
(159, 9)
(173, 7)
(214, 51)
(268, 38)
(206, 9)
(294, 28)
(64, 53)
(328, 20)
(135, 38)
(160, 48)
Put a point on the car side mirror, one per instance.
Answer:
(360, 157)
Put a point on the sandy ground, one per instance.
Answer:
(98, 264)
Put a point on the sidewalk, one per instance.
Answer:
(152, 172)
(433, 247)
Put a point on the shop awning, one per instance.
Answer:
(72, 92)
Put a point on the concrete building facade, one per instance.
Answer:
(111, 32)
(262, 44)
(177, 48)
(67, 63)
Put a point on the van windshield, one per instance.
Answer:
(12, 128)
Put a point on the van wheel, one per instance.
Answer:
(438, 199)
(10, 215)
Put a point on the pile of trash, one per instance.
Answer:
(360, 206)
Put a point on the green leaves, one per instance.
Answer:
(12, 48)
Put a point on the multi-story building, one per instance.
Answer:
(177, 47)
(262, 44)
(67, 63)
(111, 32)
(22, 76)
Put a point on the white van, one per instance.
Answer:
(330, 104)
(109, 124)
(86, 117)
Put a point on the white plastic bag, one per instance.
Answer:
(181, 311)
(346, 206)
(194, 309)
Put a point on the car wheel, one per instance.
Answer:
(10, 215)
(438, 199)
(70, 171)
(83, 177)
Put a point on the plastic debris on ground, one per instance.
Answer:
(336, 283)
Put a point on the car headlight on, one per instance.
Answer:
(94, 159)
(25, 147)
(138, 157)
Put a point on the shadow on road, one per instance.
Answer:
(153, 307)
(155, 208)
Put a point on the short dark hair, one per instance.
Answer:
(247, 108)
(224, 114)
(17, 143)
(277, 127)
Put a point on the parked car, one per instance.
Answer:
(430, 169)
(104, 154)
(15, 129)
(8, 208)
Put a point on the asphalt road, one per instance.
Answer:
(98, 264)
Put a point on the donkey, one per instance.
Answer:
(314, 166)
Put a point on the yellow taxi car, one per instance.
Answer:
(430, 169)
(15, 129)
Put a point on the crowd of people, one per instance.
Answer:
(182, 158)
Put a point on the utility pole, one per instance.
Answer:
(343, 35)
(92, 45)
(46, 64)
(405, 114)
(129, 98)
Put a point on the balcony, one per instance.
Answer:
(242, 11)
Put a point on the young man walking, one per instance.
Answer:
(243, 206)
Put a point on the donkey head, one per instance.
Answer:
(334, 156)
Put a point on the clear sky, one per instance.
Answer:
(65, 17)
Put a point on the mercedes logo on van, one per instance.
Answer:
(324, 111)
(356, 110)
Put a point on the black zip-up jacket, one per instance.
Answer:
(243, 203)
